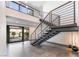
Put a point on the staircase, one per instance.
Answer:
(61, 19)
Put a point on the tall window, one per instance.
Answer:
(13, 5)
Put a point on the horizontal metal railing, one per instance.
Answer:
(66, 13)
(60, 16)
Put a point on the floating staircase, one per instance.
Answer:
(61, 19)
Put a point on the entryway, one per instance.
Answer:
(17, 34)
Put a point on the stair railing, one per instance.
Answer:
(60, 16)
(41, 28)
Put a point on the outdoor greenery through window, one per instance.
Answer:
(20, 8)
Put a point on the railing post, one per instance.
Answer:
(74, 11)
(35, 35)
(51, 19)
(59, 20)
(41, 29)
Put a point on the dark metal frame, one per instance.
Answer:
(8, 34)
(29, 6)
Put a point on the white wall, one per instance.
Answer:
(19, 15)
(2, 30)
(31, 29)
(66, 38)
(19, 22)
(50, 5)
(61, 38)
(77, 12)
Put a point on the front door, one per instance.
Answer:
(17, 34)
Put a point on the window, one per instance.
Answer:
(30, 12)
(23, 9)
(13, 5)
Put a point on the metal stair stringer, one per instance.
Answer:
(54, 31)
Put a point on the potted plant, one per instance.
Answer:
(13, 34)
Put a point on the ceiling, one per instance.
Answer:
(35, 4)
(46, 6)
(19, 22)
(38, 4)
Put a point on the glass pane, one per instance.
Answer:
(15, 34)
(26, 34)
(13, 5)
(23, 9)
(30, 12)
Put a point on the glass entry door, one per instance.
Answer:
(15, 34)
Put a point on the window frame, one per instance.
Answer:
(28, 8)
(24, 7)
(32, 11)
(15, 3)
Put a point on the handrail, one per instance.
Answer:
(53, 10)
(53, 20)
(50, 12)
(36, 28)
(44, 19)
(57, 8)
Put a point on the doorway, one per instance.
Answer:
(17, 34)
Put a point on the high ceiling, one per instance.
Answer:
(38, 4)
(45, 5)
